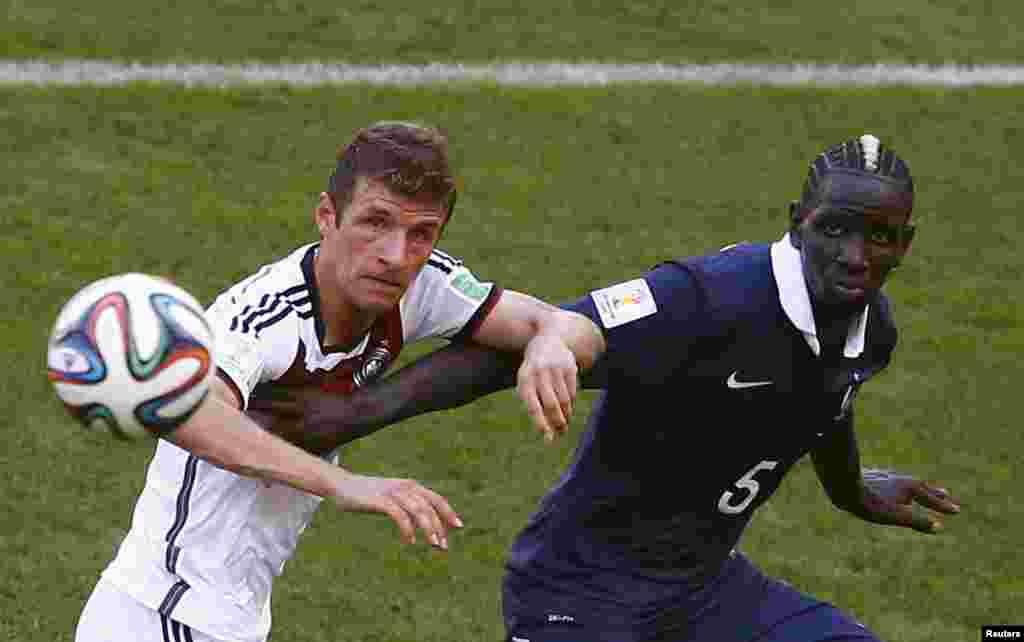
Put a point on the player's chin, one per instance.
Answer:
(848, 296)
(378, 303)
(379, 297)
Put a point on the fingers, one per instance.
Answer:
(916, 518)
(549, 396)
(556, 401)
(528, 393)
(427, 511)
(936, 498)
(410, 505)
(443, 508)
(421, 513)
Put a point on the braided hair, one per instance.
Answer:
(865, 154)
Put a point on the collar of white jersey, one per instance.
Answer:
(796, 301)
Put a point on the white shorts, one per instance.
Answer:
(112, 616)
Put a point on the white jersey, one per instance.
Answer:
(205, 544)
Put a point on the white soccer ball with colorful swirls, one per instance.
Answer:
(132, 355)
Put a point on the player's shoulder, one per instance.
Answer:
(881, 326)
(440, 269)
(733, 273)
(441, 264)
(275, 289)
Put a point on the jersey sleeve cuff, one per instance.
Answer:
(236, 389)
(468, 330)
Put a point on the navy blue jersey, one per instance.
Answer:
(711, 392)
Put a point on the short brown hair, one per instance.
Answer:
(411, 158)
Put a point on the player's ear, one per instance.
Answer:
(325, 217)
(906, 237)
(794, 224)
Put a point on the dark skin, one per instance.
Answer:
(849, 240)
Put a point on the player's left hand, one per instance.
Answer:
(547, 384)
(902, 500)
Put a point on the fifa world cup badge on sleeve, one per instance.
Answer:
(466, 286)
(624, 302)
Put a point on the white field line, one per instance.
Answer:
(96, 72)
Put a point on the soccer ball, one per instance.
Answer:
(131, 354)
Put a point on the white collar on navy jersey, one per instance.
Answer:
(796, 302)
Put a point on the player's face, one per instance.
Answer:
(853, 239)
(382, 242)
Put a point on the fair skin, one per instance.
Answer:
(369, 258)
(221, 434)
(364, 266)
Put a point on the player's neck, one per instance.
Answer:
(833, 325)
(345, 325)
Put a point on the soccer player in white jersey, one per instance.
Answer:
(224, 501)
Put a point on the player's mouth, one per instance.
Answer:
(849, 292)
(385, 283)
(851, 288)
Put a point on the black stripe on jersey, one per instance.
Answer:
(271, 309)
(181, 513)
(269, 305)
(262, 311)
(180, 631)
(245, 311)
(444, 267)
(274, 319)
(295, 289)
(172, 598)
(445, 257)
(234, 322)
(171, 557)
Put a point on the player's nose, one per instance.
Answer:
(392, 248)
(853, 253)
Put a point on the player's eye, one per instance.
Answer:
(422, 235)
(833, 230)
(377, 222)
(884, 236)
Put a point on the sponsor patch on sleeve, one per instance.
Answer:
(624, 302)
(466, 285)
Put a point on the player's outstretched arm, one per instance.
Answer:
(557, 344)
(878, 496)
(220, 434)
(450, 377)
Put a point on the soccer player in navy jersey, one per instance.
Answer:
(719, 373)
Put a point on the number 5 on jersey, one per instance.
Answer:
(747, 483)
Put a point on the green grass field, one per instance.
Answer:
(914, 31)
(565, 190)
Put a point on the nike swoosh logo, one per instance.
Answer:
(736, 385)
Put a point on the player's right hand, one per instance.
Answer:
(409, 504)
(547, 384)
